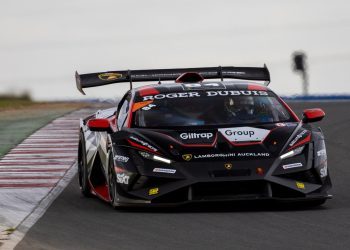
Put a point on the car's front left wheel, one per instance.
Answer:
(82, 168)
(112, 181)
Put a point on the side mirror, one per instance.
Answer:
(313, 115)
(99, 125)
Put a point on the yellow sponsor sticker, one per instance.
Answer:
(300, 185)
(153, 191)
(109, 76)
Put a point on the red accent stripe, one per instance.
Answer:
(20, 163)
(256, 87)
(42, 137)
(102, 192)
(27, 185)
(42, 151)
(147, 90)
(33, 141)
(14, 156)
(53, 150)
(14, 170)
(45, 146)
(136, 145)
(304, 141)
(65, 127)
(29, 177)
(37, 158)
(63, 132)
(50, 129)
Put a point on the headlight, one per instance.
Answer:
(292, 153)
(154, 157)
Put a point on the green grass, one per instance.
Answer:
(8, 101)
(17, 122)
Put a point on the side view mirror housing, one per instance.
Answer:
(100, 125)
(313, 115)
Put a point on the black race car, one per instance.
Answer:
(198, 135)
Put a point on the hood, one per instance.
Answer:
(241, 142)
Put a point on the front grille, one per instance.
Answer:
(180, 195)
(231, 173)
(229, 190)
(150, 182)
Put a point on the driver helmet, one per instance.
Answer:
(247, 104)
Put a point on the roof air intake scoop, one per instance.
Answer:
(189, 77)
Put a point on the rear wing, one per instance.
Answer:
(111, 77)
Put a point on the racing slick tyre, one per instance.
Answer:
(82, 168)
(112, 181)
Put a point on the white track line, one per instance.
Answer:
(39, 210)
(35, 172)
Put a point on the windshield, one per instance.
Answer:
(213, 111)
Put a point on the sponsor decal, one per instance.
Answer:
(121, 158)
(206, 94)
(122, 178)
(171, 96)
(153, 191)
(187, 157)
(143, 143)
(164, 170)
(322, 152)
(293, 165)
(200, 86)
(300, 185)
(109, 76)
(244, 134)
(237, 93)
(149, 106)
(300, 135)
(228, 166)
(324, 170)
(285, 124)
(204, 156)
(253, 154)
(139, 105)
(187, 136)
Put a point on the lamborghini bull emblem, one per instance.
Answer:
(109, 76)
(187, 157)
(228, 166)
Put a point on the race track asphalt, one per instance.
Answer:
(74, 222)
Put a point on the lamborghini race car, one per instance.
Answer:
(200, 135)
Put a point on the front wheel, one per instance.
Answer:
(82, 169)
(112, 181)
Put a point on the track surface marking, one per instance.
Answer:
(30, 171)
